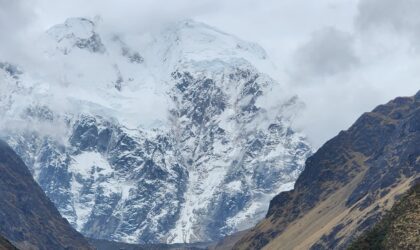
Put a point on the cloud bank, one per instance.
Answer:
(341, 57)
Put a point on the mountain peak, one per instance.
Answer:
(194, 40)
(178, 121)
(77, 32)
(77, 26)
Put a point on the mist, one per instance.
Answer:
(342, 58)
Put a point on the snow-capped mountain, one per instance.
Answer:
(175, 135)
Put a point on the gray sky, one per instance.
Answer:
(342, 57)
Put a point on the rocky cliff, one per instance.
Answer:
(348, 184)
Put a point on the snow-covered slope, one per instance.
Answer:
(176, 135)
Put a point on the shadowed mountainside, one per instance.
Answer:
(27, 217)
(6, 245)
(348, 184)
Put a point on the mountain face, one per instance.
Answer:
(172, 136)
(27, 217)
(112, 245)
(347, 184)
(398, 229)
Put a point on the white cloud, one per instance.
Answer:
(15, 19)
(400, 16)
(124, 15)
(350, 55)
(328, 52)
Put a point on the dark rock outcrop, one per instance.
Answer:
(27, 217)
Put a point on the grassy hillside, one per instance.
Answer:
(399, 228)
(348, 184)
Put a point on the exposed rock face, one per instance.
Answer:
(183, 139)
(347, 184)
(398, 229)
(27, 217)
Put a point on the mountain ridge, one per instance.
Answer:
(347, 184)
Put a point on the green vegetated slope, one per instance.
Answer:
(399, 228)
(348, 185)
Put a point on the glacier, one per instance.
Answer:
(174, 135)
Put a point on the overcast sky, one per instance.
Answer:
(342, 57)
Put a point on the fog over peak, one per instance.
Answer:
(342, 58)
